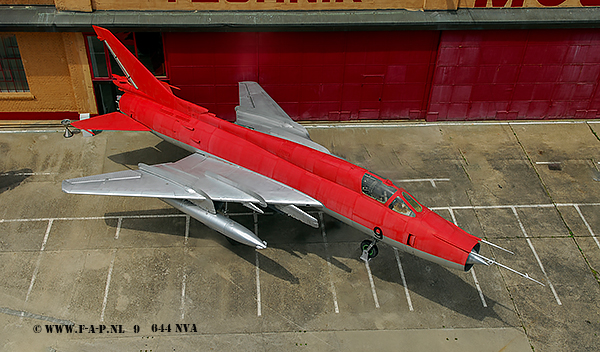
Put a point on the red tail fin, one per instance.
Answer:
(138, 76)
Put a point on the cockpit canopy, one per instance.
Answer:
(382, 192)
(376, 189)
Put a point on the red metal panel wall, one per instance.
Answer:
(312, 75)
(521, 74)
(207, 66)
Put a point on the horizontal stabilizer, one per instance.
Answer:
(115, 121)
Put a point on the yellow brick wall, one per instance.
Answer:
(57, 73)
(73, 5)
(79, 70)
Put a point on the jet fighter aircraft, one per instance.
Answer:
(263, 160)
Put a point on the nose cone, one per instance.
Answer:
(454, 244)
(475, 258)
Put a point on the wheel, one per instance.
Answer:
(374, 250)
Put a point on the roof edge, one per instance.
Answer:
(47, 18)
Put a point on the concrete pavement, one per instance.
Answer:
(163, 282)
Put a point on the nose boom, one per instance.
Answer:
(476, 258)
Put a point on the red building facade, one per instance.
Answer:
(474, 63)
(437, 75)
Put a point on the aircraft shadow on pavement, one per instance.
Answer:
(154, 221)
(163, 152)
(426, 279)
(12, 179)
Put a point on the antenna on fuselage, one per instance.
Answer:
(127, 75)
(495, 245)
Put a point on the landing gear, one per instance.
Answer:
(369, 250)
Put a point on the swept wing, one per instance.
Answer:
(258, 111)
(199, 177)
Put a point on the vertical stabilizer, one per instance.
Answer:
(140, 79)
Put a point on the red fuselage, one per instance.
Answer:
(331, 180)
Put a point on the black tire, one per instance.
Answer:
(374, 250)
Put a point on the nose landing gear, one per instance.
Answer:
(369, 250)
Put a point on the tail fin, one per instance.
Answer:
(138, 76)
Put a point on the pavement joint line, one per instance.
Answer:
(182, 306)
(406, 293)
(255, 218)
(258, 298)
(118, 231)
(330, 125)
(30, 131)
(328, 257)
(185, 251)
(457, 207)
(536, 256)
(442, 123)
(587, 225)
(107, 287)
(110, 217)
(481, 296)
(372, 284)
(187, 230)
(24, 314)
(28, 173)
(46, 234)
(551, 205)
(39, 259)
(431, 180)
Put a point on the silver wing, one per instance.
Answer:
(202, 179)
(258, 111)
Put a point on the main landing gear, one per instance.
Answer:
(369, 250)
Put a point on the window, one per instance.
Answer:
(97, 55)
(399, 206)
(413, 203)
(12, 73)
(375, 188)
(147, 47)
